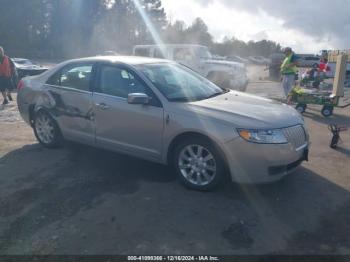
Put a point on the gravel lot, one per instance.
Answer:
(80, 200)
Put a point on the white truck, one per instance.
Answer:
(225, 74)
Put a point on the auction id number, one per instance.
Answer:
(172, 258)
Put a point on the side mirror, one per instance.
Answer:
(138, 99)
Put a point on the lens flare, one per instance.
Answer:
(150, 26)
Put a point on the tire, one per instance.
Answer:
(301, 108)
(327, 111)
(192, 168)
(46, 130)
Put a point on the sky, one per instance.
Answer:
(306, 26)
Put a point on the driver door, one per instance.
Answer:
(132, 129)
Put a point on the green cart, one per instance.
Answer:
(304, 97)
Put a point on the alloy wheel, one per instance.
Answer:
(45, 128)
(197, 165)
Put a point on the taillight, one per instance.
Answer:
(20, 85)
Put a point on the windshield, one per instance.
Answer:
(178, 83)
(203, 52)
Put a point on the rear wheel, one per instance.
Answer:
(198, 164)
(46, 130)
(327, 111)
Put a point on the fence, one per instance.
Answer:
(332, 55)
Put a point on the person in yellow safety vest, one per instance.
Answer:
(289, 70)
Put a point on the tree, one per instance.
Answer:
(23, 25)
(122, 25)
(198, 33)
(72, 28)
(72, 24)
(234, 46)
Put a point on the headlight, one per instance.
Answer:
(274, 136)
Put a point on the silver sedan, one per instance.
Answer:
(163, 112)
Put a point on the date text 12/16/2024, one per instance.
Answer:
(173, 258)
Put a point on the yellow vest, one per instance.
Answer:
(285, 70)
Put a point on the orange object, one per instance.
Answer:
(5, 67)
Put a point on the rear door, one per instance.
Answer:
(120, 126)
(71, 90)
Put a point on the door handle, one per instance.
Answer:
(102, 106)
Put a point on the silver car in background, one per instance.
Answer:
(161, 111)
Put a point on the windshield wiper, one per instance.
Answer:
(180, 99)
(216, 94)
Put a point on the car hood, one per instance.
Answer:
(225, 63)
(247, 111)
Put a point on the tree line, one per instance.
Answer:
(73, 28)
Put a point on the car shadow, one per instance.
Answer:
(342, 150)
(315, 115)
(56, 184)
(39, 187)
(297, 203)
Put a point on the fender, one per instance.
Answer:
(46, 102)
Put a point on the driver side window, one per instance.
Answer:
(119, 82)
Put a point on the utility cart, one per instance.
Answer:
(328, 98)
(304, 97)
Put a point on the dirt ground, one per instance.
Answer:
(80, 200)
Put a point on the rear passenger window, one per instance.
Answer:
(77, 77)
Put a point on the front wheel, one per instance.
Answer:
(327, 111)
(198, 164)
(46, 130)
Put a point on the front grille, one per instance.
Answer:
(295, 135)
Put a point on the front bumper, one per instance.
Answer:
(262, 163)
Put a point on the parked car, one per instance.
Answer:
(164, 112)
(238, 59)
(26, 67)
(308, 61)
(259, 60)
(225, 74)
(109, 53)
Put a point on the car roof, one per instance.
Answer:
(131, 60)
(169, 45)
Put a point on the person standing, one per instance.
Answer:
(289, 70)
(323, 68)
(7, 72)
